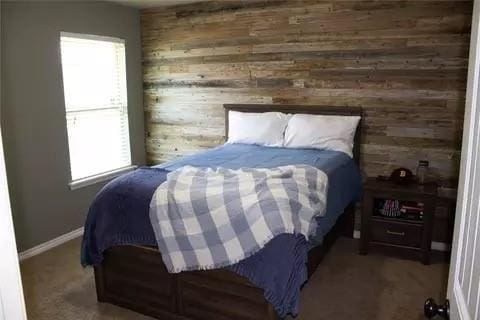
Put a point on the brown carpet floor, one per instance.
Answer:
(345, 286)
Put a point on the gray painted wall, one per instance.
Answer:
(33, 116)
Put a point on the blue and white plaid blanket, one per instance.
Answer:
(210, 218)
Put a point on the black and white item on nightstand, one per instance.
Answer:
(391, 208)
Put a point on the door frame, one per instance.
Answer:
(458, 304)
(12, 304)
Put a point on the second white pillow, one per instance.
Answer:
(321, 132)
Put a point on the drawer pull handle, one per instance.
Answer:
(395, 233)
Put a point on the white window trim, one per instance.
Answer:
(91, 37)
(88, 181)
(101, 177)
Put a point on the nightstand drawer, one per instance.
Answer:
(404, 234)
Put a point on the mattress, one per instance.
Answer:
(342, 171)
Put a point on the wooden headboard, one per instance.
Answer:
(326, 110)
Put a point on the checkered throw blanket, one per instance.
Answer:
(210, 218)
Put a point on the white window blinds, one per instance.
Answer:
(94, 81)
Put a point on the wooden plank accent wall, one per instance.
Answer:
(404, 62)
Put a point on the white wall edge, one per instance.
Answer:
(50, 244)
(12, 303)
(437, 246)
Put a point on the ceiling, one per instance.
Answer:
(141, 4)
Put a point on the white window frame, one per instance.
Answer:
(104, 176)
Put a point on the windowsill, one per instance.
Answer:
(88, 181)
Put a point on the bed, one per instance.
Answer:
(131, 272)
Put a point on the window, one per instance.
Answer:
(94, 83)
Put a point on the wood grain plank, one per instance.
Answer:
(404, 62)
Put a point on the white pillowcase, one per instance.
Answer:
(265, 129)
(321, 132)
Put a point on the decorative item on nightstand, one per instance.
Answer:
(391, 208)
(402, 176)
(398, 218)
(422, 171)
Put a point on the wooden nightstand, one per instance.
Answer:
(403, 235)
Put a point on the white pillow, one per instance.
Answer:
(321, 132)
(265, 129)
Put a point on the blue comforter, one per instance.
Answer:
(119, 215)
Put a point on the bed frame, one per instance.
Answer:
(135, 277)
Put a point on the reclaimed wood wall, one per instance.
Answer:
(404, 62)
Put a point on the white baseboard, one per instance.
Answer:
(438, 246)
(441, 246)
(356, 234)
(50, 244)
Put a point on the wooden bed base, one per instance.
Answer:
(135, 277)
